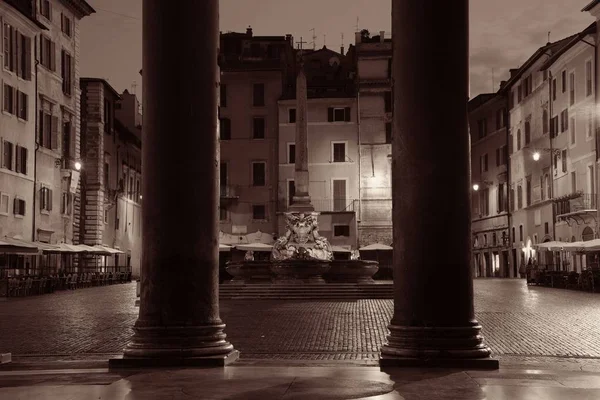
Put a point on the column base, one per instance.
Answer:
(210, 361)
(177, 346)
(426, 346)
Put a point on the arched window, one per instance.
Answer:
(587, 234)
(519, 139)
(527, 132)
(545, 121)
(520, 233)
(513, 234)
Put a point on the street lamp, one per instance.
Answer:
(536, 156)
(475, 187)
(78, 166)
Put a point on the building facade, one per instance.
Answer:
(572, 99)
(111, 175)
(333, 157)
(18, 119)
(374, 118)
(253, 75)
(489, 174)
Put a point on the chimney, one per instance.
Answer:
(513, 72)
(289, 39)
(502, 83)
(249, 31)
(358, 38)
(342, 50)
(381, 36)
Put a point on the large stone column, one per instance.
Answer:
(179, 321)
(433, 322)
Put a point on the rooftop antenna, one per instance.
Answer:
(549, 37)
(314, 38)
(324, 40)
(493, 84)
(133, 86)
(357, 25)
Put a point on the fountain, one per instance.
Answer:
(301, 255)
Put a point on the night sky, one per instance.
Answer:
(503, 33)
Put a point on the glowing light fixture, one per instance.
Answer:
(77, 165)
(475, 187)
(536, 156)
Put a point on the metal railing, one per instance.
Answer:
(229, 191)
(585, 201)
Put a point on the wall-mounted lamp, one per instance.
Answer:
(536, 154)
(483, 183)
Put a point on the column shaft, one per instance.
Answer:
(179, 319)
(433, 293)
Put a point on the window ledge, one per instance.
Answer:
(45, 212)
(19, 216)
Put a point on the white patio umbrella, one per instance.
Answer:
(254, 247)
(224, 248)
(375, 247)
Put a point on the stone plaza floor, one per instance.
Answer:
(518, 321)
(547, 340)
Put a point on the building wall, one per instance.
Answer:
(53, 171)
(490, 222)
(241, 150)
(322, 135)
(19, 132)
(580, 174)
(373, 59)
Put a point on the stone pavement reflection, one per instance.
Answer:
(533, 323)
(244, 382)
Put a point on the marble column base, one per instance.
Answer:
(177, 346)
(449, 347)
(5, 358)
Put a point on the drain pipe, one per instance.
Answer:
(35, 135)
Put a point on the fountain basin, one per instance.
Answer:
(249, 271)
(352, 271)
(300, 271)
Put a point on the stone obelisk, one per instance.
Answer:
(301, 200)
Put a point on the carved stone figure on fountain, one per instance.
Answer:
(302, 239)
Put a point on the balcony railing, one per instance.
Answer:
(325, 205)
(229, 192)
(584, 201)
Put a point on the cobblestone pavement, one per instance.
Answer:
(520, 323)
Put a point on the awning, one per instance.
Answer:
(551, 246)
(376, 246)
(17, 246)
(59, 248)
(254, 247)
(109, 250)
(573, 246)
(591, 245)
(340, 249)
(224, 248)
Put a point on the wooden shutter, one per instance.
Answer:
(42, 198)
(49, 199)
(16, 206)
(13, 53)
(72, 140)
(330, 114)
(24, 154)
(52, 55)
(18, 159)
(347, 114)
(18, 52)
(54, 133)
